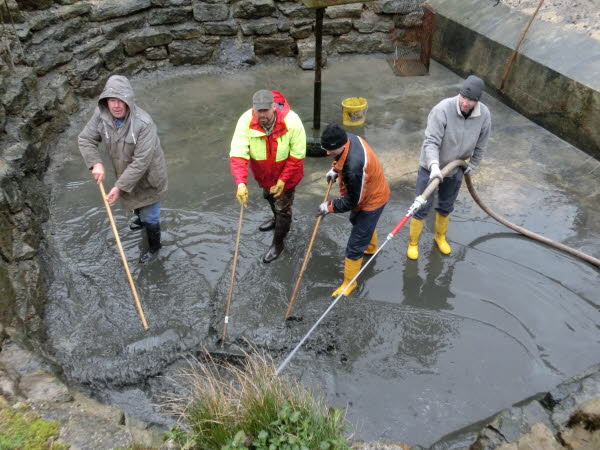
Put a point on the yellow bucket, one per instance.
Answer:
(354, 111)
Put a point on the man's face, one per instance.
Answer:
(265, 117)
(466, 104)
(335, 152)
(118, 108)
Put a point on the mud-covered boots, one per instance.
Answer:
(351, 268)
(153, 233)
(267, 225)
(275, 249)
(282, 226)
(441, 227)
(416, 226)
(372, 248)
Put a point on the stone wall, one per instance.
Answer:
(28, 383)
(55, 52)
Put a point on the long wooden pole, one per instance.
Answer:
(305, 262)
(230, 293)
(138, 305)
(514, 55)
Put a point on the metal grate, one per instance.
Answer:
(417, 66)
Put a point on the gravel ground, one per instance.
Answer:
(582, 16)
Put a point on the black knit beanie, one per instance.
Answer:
(333, 137)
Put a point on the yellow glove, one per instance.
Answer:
(242, 194)
(277, 190)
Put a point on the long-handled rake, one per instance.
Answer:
(138, 305)
(305, 262)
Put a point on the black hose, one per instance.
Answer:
(524, 232)
(459, 163)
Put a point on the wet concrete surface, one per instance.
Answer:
(420, 348)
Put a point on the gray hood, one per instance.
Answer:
(119, 87)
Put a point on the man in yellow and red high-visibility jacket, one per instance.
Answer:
(271, 138)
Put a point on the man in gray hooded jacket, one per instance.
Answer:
(457, 128)
(132, 143)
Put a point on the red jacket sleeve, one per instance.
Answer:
(239, 169)
(293, 166)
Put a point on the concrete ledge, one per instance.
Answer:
(554, 79)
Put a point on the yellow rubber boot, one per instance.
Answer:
(416, 226)
(351, 268)
(441, 226)
(372, 248)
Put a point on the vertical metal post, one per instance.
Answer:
(318, 63)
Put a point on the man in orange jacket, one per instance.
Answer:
(364, 191)
(270, 138)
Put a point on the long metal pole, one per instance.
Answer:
(318, 64)
(305, 262)
(230, 293)
(417, 203)
(138, 305)
(291, 355)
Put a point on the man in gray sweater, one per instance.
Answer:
(132, 143)
(457, 128)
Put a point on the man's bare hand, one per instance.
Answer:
(98, 172)
(113, 195)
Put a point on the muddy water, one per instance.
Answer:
(420, 348)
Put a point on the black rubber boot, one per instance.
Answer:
(274, 251)
(282, 226)
(268, 225)
(153, 232)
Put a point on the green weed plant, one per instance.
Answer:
(25, 430)
(249, 407)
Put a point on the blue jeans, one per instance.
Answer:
(447, 193)
(363, 226)
(149, 214)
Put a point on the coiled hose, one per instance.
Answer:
(460, 163)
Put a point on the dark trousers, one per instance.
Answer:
(282, 210)
(446, 196)
(363, 226)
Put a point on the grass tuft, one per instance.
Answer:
(225, 407)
